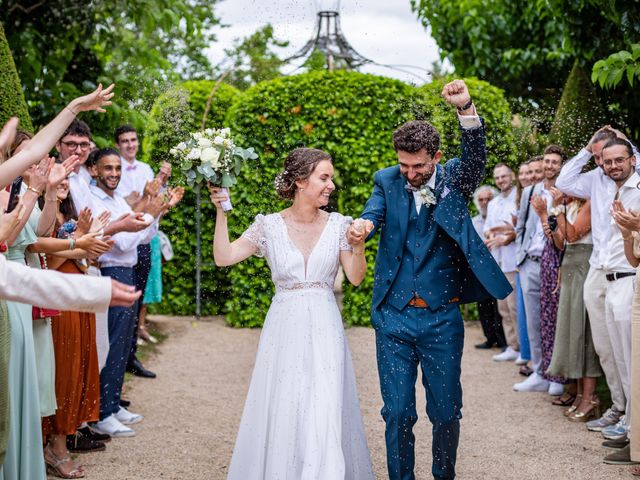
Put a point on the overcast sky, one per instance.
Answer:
(385, 31)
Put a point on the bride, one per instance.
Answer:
(301, 419)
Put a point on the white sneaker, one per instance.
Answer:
(509, 355)
(534, 383)
(125, 417)
(111, 426)
(555, 389)
(521, 361)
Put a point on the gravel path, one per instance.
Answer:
(193, 408)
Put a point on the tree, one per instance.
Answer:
(252, 60)
(528, 48)
(63, 48)
(12, 102)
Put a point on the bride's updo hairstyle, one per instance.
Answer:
(299, 165)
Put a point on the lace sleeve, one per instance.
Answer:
(255, 234)
(345, 222)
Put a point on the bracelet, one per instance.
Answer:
(72, 243)
(37, 192)
(50, 199)
(74, 113)
(466, 106)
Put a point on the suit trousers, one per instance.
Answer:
(530, 281)
(509, 313)
(595, 291)
(491, 322)
(433, 340)
(618, 307)
(122, 321)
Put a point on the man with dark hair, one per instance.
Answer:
(597, 186)
(136, 176)
(76, 140)
(429, 260)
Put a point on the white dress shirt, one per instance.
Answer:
(478, 224)
(615, 259)
(124, 252)
(499, 214)
(80, 193)
(595, 185)
(135, 176)
(431, 183)
(538, 240)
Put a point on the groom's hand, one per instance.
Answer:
(359, 231)
(457, 94)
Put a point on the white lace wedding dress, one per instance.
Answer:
(302, 418)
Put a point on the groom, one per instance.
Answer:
(429, 259)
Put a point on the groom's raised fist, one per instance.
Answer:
(457, 94)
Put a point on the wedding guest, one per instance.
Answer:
(629, 224)
(530, 244)
(549, 266)
(499, 234)
(618, 162)
(574, 356)
(76, 359)
(601, 189)
(119, 264)
(490, 319)
(135, 177)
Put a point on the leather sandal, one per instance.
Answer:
(564, 400)
(54, 464)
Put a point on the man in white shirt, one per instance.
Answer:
(597, 186)
(530, 241)
(618, 162)
(118, 263)
(490, 319)
(136, 175)
(499, 233)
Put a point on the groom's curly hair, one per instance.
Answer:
(299, 165)
(414, 136)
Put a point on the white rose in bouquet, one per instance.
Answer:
(211, 156)
(218, 140)
(204, 143)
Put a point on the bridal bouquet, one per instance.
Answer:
(211, 156)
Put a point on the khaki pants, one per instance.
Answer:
(635, 376)
(508, 311)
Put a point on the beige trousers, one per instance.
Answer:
(508, 311)
(635, 375)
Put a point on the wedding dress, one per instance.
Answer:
(302, 418)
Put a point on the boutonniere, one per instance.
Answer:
(427, 196)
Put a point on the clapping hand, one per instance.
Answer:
(456, 93)
(539, 204)
(558, 196)
(83, 224)
(94, 245)
(100, 222)
(175, 195)
(60, 171)
(10, 221)
(359, 231)
(96, 100)
(132, 222)
(39, 174)
(627, 221)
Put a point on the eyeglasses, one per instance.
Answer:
(74, 145)
(617, 161)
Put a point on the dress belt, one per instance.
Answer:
(303, 286)
(534, 258)
(618, 275)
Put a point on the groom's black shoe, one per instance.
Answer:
(484, 345)
(135, 366)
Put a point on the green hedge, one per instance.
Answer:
(174, 114)
(351, 116)
(12, 103)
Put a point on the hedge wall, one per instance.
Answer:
(175, 113)
(12, 102)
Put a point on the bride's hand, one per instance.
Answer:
(359, 231)
(218, 196)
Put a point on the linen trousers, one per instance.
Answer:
(595, 291)
(508, 309)
(618, 308)
(635, 375)
(530, 282)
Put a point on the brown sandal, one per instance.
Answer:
(54, 463)
(564, 400)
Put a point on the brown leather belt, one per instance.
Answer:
(419, 302)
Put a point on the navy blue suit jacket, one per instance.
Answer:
(388, 209)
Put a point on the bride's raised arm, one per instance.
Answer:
(353, 261)
(225, 252)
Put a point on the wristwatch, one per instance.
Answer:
(466, 106)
